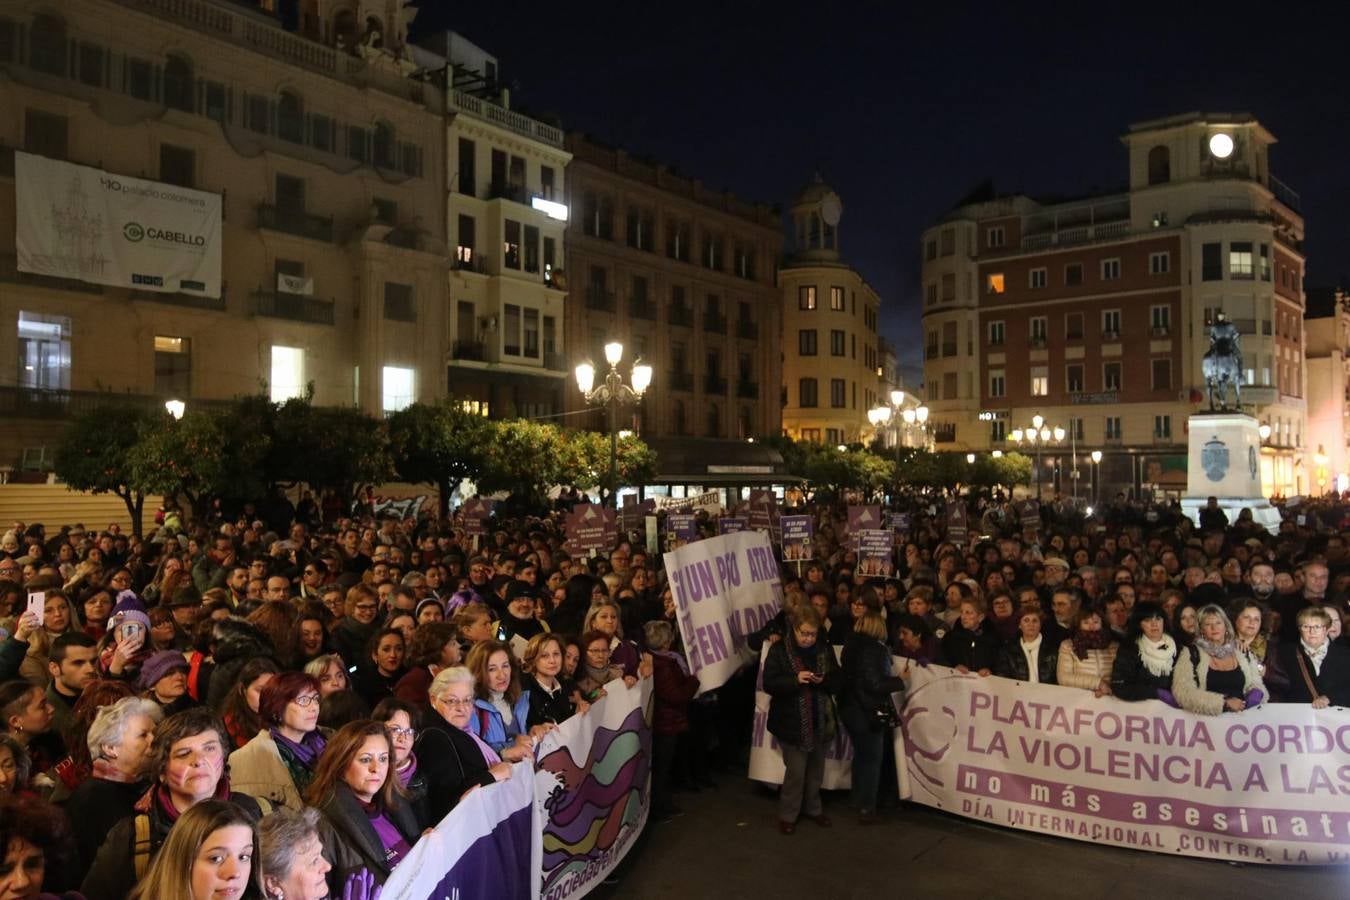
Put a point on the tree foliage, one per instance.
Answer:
(93, 455)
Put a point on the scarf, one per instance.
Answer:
(490, 756)
(406, 771)
(105, 770)
(814, 709)
(299, 757)
(1157, 658)
(1032, 652)
(1083, 641)
(1316, 657)
(679, 659)
(1217, 651)
(159, 796)
(1257, 648)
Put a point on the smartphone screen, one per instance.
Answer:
(129, 630)
(501, 632)
(37, 603)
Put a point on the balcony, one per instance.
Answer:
(1110, 335)
(555, 362)
(714, 384)
(641, 309)
(681, 315)
(523, 125)
(1037, 342)
(747, 330)
(9, 272)
(1098, 220)
(1285, 194)
(474, 351)
(475, 263)
(944, 433)
(296, 307)
(296, 222)
(949, 348)
(516, 193)
(599, 298)
(1161, 331)
(38, 403)
(681, 381)
(747, 390)
(187, 301)
(715, 323)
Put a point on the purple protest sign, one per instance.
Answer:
(586, 527)
(876, 553)
(682, 526)
(957, 532)
(796, 538)
(476, 512)
(862, 518)
(731, 525)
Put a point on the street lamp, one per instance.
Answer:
(1096, 473)
(175, 408)
(1038, 435)
(610, 395)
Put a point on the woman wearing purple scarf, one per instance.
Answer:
(401, 721)
(279, 762)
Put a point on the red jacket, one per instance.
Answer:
(673, 690)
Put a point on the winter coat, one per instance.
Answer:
(350, 842)
(95, 807)
(673, 690)
(545, 707)
(1131, 679)
(237, 642)
(975, 650)
(1333, 682)
(452, 763)
(1087, 674)
(1012, 662)
(413, 686)
(350, 639)
(868, 682)
(488, 724)
(258, 770)
(1190, 675)
(785, 692)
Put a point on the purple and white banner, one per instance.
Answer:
(1268, 785)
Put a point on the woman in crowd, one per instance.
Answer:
(1143, 666)
(673, 688)
(278, 763)
(429, 610)
(452, 756)
(435, 646)
(290, 856)
(207, 856)
(76, 765)
(164, 632)
(551, 693)
(604, 616)
(240, 713)
(15, 767)
(311, 634)
(1086, 656)
(379, 674)
(503, 707)
(801, 679)
(1029, 657)
(36, 843)
(596, 670)
(28, 719)
(119, 741)
(868, 685)
(1213, 675)
(57, 619)
(364, 820)
(163, 679)
(187, 767)
(1251, 620)
(401, 721)
(276, 619)
(352, 633)
(97, 606)
(474, 621)
(972, 645)
(330, 672)
(1317, 669)
(1186, 623)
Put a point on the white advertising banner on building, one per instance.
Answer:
(90, 225)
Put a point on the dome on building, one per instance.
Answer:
(815, 191)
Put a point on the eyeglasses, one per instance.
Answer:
(599, 651)
(1312, 628)
(366, 607)
(409, 733)
(458, 702)
(306, 700)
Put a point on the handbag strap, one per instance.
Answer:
(1307, 678)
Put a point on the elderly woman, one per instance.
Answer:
(34, 840)
(207, 856)
(1143, 666)
(596, 669)
(402, 721)
(1213, 675)
(290, 856)
(453, 757)
(868, 685)
(672, 688)
(604, 615)
(1087, 655)
(365, 821)
(972, 645)
(801, 677)
(119, 742)
(278, 764)
(1029, 657)
(1317, 668)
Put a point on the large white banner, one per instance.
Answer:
(1269, 785)
(724, 588)
(83, 223)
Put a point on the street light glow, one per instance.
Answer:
(613, 353)
(921, 414)
(585, 373)
(175, 408)
(970, 457)
(908, 415)
(642, 377)
(897, 398)
(1096, 456)
(997, 454)
(1037, 421)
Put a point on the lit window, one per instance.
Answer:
(398, 388)
(994, 283)
(1040, 381)
(288, 373)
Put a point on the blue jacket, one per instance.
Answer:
(486, 722)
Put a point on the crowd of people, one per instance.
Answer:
(283, 706)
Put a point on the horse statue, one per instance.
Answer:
(1222, 363)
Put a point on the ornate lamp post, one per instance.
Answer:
(611, 394)
(1038, 435)
(1096, 476)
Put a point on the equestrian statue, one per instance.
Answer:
(1222, 363)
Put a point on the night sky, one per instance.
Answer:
(905, 110)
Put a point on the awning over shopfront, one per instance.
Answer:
(711, 462)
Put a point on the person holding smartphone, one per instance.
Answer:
(123, 649)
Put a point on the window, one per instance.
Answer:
(217, 104)
(177, 165)
(1112, 431)
(358, 144)
(1073, 326)
(1076, 428)
(930, 250)
(288, 373)
(1162, 374)
(1211, 262)
(511, 245)
(1036, 278)
(1264, 262)
(532, 334)
(467, 183)
(464, 244)
(993, 283)
(837, 299)
(806, 342)
(994, 237)
(1038, 330)
(258, 115)
(1159, 263)
(44, 351)
(806, 297)
(173, 367)
(290, 193)
(712, 252)
(1073, 273)
(397, 388)
(806, 392)
(9, 40)
(1240, 260)
(1111, 376)
(838, 393)
(546, 182)
(1159, 165)
(998, 431)
(836, 342)
(1160, 318)
(386, 210)
(1110, 269)
(714, 420)
(677, 240)
(47, 45)
(1040, 381)
(1073, 378)
(290, 118)
(531, 248)
(948, 287)
(90, 61)
(931, 351)
(948, 241)
(1110, 324)
(996, 334)
(639, 228)
(745, 261)
(677, 417)
(511, 330)
(997, 383)
(44, 134)
(1162, 426)
(399, 305)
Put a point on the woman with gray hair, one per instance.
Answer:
(1214, 675)
(453, 757)
(290, 856)
(119, 741)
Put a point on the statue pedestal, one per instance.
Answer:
(1224, 461)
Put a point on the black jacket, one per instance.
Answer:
(1012, 661)
(452, 763)
(95, 807)
(868, 682)
(351, 843)
(556, 708)
(237, 642)
(973, 649)
(1131, 680)
(785, 692)
(1332, 682)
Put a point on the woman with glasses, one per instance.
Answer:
(361, 622)
(401, 721)
(278, 764)
(453, 758)
(1317, 668)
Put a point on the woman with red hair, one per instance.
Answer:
(279, 762)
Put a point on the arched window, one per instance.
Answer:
(1159, 165)
(291, 118)
(714, 421)
(179, 85)
(384, 146)
(747, 428)
(677, 414)
(47, 45)
(344, 31)
(374, 36)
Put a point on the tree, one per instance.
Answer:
(586, 459)
(93, 456)
(207, 455)
(440, 444)
(524, 458)
(344, 449)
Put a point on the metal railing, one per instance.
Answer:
(641, 309)
(599, 298)
(555, 362)
(517, 193)
(747, 329)
(681, 315)
(470, 350)
(296, 307)
(295, 221)
(188, 301)
(715, 323)
(949, 348)
(41, 403)
(1285, 194)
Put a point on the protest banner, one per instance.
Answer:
(476, 512)
(766, 759)
(682, 526)
(586, 528)
(592, 787)
(901, 522)
(632, 513)
(957, 532)
(487, 846)
(876, 553)
(796, 538)
(1029, 515)
(861, 518)
(710, 500)
(762, 512)
(731, 525)
(1268, 785)
(724, 588)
